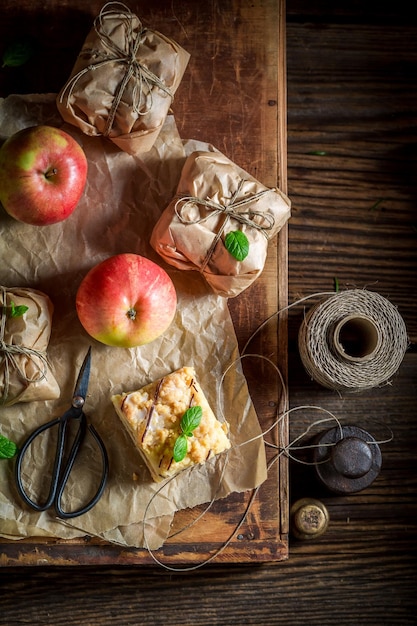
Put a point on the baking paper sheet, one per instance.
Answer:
(123, 199)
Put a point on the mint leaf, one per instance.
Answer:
(180, 448)
(7, 448)
(17, 53)
(17, 311)
(237, 244)
(318, 152)
(191, 419)
(189, 422)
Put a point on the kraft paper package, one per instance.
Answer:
(216, 197)
(123, 81)
(25, 374)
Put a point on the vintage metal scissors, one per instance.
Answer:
(62, 468)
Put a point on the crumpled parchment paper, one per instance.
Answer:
(123, 199)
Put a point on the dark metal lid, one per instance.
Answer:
(347, 459)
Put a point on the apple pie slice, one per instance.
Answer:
(155, 416)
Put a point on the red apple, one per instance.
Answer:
(126, 301)
(43, 172)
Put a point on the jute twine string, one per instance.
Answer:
(10, 354)
(143, 77)
(229, 211)
(287, 450)
(324, 358)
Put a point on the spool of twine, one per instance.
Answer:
(354, 340)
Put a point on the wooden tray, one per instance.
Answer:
(233, 95)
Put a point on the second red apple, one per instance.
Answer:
(126, 301)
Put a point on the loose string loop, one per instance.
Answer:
(144, 78)
(11, 353)
(228, 211)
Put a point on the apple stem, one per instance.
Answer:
(51, 173)
(131, 314)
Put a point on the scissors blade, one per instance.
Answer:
(81, 385)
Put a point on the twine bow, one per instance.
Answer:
(143, 77)
(229, 211)
(10, 356)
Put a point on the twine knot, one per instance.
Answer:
(10, 356)
(144, 78)
(228, 211)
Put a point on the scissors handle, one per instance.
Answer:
(105, 463)
(60, 475)
(56, 468)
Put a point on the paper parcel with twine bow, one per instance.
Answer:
(216, 197)
(124, 196)
(25, 374)
(123, 82)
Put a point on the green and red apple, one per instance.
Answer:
(43, 172)
(126, 300)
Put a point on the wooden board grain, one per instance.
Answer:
(233, 95)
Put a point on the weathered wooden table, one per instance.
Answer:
(352, 73)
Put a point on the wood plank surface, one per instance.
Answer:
(352, 90)
(353, 174)
(232, 96)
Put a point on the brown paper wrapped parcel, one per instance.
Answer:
(215, 197)
(123, 81)
(24, 371)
